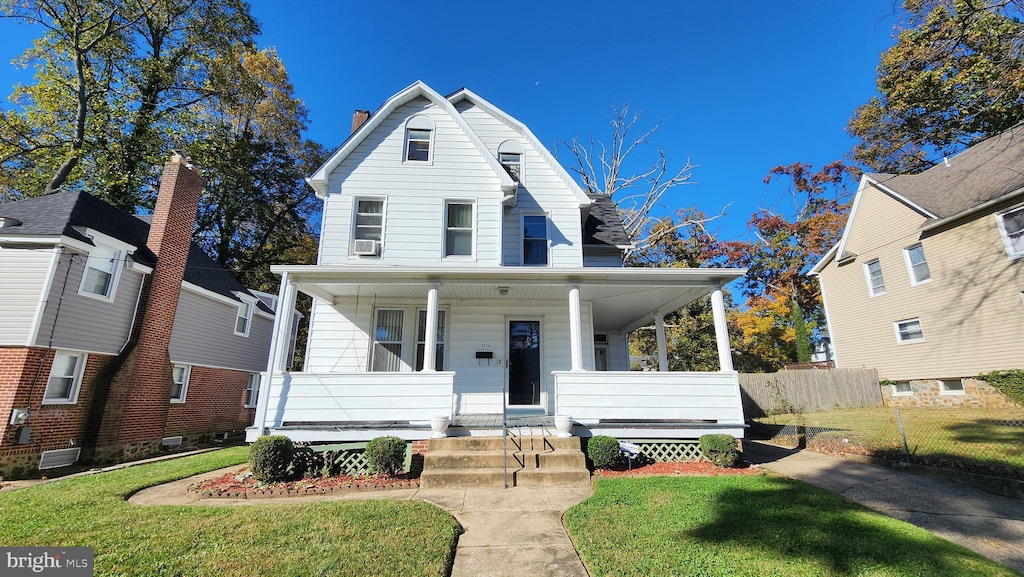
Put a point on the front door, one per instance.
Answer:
(523, 362)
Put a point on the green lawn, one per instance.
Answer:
(758, 526)
(372, 537)
(983, 440)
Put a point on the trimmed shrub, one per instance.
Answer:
(720, 449)
(604, 452)
(1009, 383)
(385, 455)
(270, 457)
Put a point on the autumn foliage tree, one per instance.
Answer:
(783, 305)
(954, 77)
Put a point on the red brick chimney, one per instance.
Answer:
(359, 118)
(140, 390)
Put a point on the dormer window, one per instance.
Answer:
(419, 136)
(510, 155)
(100, 273)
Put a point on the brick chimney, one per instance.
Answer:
(359, 118)
(137, 404)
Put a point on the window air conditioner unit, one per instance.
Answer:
(363, 247)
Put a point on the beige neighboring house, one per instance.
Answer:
(926, 283)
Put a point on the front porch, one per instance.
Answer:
(390, 350)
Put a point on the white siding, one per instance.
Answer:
(23, 275)
(542, 191)
(203, 334)
(86, 323)
(415, 194)
(339, 342)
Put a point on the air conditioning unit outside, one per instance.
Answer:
(363, 247)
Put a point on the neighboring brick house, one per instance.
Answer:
(926, 284)
(118, 336)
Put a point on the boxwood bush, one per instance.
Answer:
(270, 457)
(720, 449)
(604, 452)
(385, 455)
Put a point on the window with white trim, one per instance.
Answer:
(368, 226)
(252, 390)
(902, 389)
(421, 339)
(873, 271)
(535, 240)
(458, 233)
(387, 340)
(917, 265)
(243, 318)
(1011, 226)
(100, 275)
(65, 378)
(510, 156)
(951, 387)
(908, 331)
(179, 376)
(419, 138)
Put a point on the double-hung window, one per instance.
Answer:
(243, 318)
(100, 272)
(65, 378)
(421, 339)
(917, 265)
(876, 284)
(458, 234)
(419, 133)
(369, 227)
(535, 240)
(1011, 225)
(510, 155)
(179, 376)
(387, 340)
(909, 331)
(252, 390)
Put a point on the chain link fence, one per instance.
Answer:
(982, 441)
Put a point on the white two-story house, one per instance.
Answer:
(463, 274)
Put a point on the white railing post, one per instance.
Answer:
(575, 328)
(430, 338)
(721, 331)
(279, 340)
(659, 329)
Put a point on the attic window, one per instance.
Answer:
(419, 137)
(510, 155)
(1011, 225)
(244, 318)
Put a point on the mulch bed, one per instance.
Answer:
(242, 485)
(689, 468)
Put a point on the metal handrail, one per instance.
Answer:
(504, 429)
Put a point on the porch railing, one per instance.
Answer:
(593, 396)
(311, 398)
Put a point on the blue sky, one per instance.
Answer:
(739, 87)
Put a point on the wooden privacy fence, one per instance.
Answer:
(808, 391)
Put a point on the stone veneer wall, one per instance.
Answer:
(927, 393)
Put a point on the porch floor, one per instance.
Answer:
(493, 421)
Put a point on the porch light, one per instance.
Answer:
(503, 291)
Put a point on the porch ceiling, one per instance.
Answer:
(622, 298)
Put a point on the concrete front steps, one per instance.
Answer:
(479, 462)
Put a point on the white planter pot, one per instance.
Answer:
(564, 424)
(438, 426)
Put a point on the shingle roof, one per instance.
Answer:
(604, 225)
(986, 171)
(58, 215)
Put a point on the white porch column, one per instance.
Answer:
(659, 329)
(721, 331)
(279, 347)
(430, 338)
(575, 328)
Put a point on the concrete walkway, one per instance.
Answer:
(989, 524)
(515, 531)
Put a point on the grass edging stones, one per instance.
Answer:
(372, 537)
(751, 525)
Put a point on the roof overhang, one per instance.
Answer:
(622, 298)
